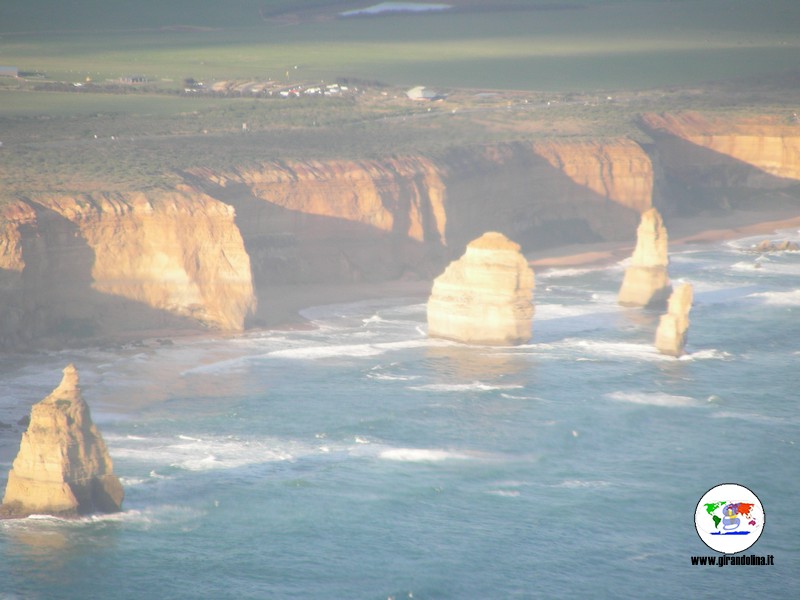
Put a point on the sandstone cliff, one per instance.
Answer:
(94, 263)
(673, 326)
(617, 169)
(646, 279)
(766, 143)
(63, 466)
(485, 297)
(400, 195)
(83, 263)
(541, 194)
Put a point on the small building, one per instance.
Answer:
(133, 79)
(422, 93)
(9, 71)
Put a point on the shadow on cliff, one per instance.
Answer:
(52, 302)
(291, 248)
(696, 180)
(523, 196)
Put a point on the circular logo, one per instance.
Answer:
(729, 518)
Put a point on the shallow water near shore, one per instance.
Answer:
(362, 460)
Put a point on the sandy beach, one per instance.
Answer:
(282, 304)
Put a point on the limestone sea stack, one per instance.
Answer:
(484, 297)
(63, 467)
(671, 332)
(646, 279)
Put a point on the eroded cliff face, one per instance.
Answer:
(404, 196)
(63, 466)
(617, 169)
(766, 143)
(545, 193)
(80, 265)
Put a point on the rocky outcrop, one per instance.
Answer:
(646, 281)
(543, 193)
(177, 251)
(673, 326)
(770, 145)
(768, 246)
(485, 297)
(404, 196)
(617, 169)
(83, 265)
(63, 467)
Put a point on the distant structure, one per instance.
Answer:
(484, 297)
(673, 326)
(63, 467)
(420, 93)
(133, 79)
(646, 281)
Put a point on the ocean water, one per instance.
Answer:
(363, 460)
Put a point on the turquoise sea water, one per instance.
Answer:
(362, 460)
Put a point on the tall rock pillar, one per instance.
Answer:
(484, 297)
(646, 279)
(672, 328)
(63, 467)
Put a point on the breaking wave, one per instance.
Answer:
(653, 399)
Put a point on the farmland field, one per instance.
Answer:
(583, 68)
(583, 46)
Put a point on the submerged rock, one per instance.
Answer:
(768, 246)
(672, 328)
(63, 467)
(484, 297)
(646, 281)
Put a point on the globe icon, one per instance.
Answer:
(729, 518)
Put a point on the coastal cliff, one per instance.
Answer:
(211, 252)
(63, 466)
(770, 145)
(86, 264)
(714, 163)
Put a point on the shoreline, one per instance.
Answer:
(684, 232)
(283, 304)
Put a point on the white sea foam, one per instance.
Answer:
(475, 386)
(790, 298)
(388, 377)
(748, 416)
(653, 399)
(195, 454)
(394, 7)
(580, 483)
(612, 350)
(707, 354)
(764, 266)
(514, 397)
(546, 312)
(421, 455)
(504, 493)
(562, 272)
(132, 481)
(351, 350)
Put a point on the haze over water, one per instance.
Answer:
(363, 460)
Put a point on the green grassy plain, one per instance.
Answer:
(598, 45)
(554, 65)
